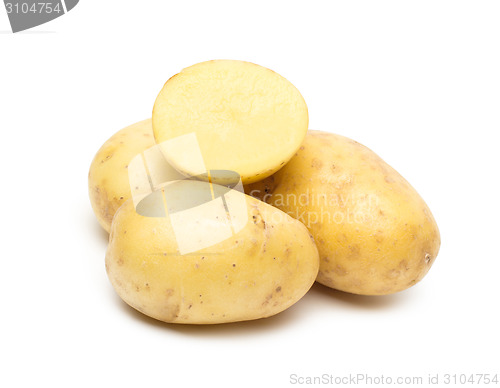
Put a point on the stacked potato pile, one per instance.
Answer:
(188, 246)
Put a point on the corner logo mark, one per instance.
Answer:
(25, 14)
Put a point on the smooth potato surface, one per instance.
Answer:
(258, 272)
(108, 179)
(246, 118)
(374, 233)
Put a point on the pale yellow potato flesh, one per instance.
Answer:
(258, 272)
(246, 118)
(374, 233)
(108, 179)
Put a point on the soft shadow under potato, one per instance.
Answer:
(275, 322)
(369, 302)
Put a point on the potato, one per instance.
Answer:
(108, 179)
(257, 272)
(246, 118)
(374, 233)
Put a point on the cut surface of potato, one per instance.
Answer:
(246, 118)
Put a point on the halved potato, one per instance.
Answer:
(246, 118)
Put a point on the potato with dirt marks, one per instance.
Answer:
(257, 272)
(374, 233)
(108, 179)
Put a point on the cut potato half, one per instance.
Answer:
(246, 118)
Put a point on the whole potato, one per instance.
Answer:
(257, 272)
(108, 179)
(374, 233)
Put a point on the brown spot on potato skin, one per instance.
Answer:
(317, 163)
(393, 274)
(354, 251)
(102, 204)
(109, 156)
(339, 270)
(411, 283)
(118, 282)
(172, 312)
(258, 220)
(267, 300)
(120, 261)
(399, 271)
(358, 283)
(327, 278)
(278, 289)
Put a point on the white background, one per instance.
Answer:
(416, 81)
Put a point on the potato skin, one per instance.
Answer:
(374, 233)
(108, 175)
(258, 272)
